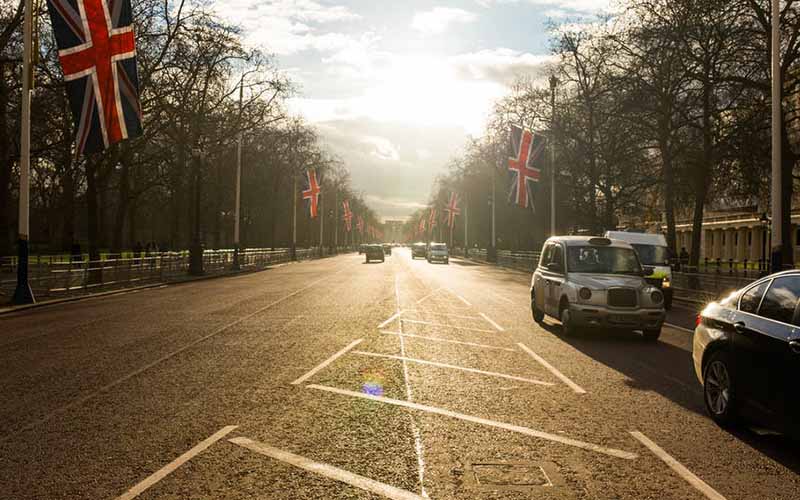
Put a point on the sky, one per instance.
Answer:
(396, 88)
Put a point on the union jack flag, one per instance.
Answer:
(432, 219)
(348, 216)
(98, 58)
(311, 192)
(421, 224)
(525, 148)
(360, 224)
(452, 209)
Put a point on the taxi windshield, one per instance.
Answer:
(439, 247)
(602, 260)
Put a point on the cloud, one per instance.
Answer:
(437, 20)
(572, 6)
(288, 26)
(501, 65)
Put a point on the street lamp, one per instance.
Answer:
(765, 223)
(196, 249)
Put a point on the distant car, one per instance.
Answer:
(374, 252)
(387, 249)
(653, 252)
(361, 248)
(438, 252)
(419, 250)
(592, 283)
(746, 353)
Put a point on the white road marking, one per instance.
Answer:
(453, 367)
(679, 469)
(414, 427)
(428, 323)
(676, 327)
(326, 362)
(503, 298)
(461, 316)
(478, 420)
(394, 317)
(172, 466)
(427, 296)
(575, 387)
(139, 371)
(459, 342)
(491, 322)
(326, 470)
(462, 299)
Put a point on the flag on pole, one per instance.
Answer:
(421, 228)
(348, 216)
(98, 58)
(525, 149)
(432, 219)
(311, 192)
(452, 209)
(360, 224)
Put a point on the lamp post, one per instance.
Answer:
(196, 249)
(553, 85)
(765, 223)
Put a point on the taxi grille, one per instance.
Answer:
(622, 297)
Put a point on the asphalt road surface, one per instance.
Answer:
(339, 379)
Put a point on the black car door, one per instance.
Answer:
(764, 344)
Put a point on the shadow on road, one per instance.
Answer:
(668, 370)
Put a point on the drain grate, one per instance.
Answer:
(512, 475)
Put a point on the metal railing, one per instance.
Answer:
(53, 276)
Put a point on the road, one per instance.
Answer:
(339, 379)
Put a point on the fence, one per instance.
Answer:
(59, 275)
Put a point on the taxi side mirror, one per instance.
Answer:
(555, 267)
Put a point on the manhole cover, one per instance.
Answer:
(510, 475)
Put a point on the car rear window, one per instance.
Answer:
(752, 298)
(438, 247)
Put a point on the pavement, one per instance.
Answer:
(340, 379)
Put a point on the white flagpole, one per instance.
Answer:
(23, 293)
(321, 213)
(294, 217)
(777, 184)
(553, 85)
(466, 226)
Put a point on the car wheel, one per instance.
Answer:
(652, 335)
(719, 389)
(367, 261)
(568, 327)
(538, 316)
(447, 261)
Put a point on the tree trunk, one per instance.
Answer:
(701, 180)
(788, 161)
(122, 209)
(669, 194)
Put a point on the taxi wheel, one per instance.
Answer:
(651, 335)
(567, 326)
(538, 316)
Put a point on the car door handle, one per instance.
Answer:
(794, 345)
(740, 327)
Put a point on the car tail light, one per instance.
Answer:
(698, 321)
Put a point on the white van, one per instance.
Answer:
(654, 252)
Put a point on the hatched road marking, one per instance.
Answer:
(491, 322)
(459, 342)
(325, 363)
(575, 387)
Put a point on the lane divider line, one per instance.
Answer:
(432, 313)
(453, 367)
(166, 357)
(483, 421)
(175, 464)
(491, 322)
(327, 470)
(325, 363)
(449, 341)
(392, 318)
(442, 325)
(575, 387)
(462, 299)
(679, 468)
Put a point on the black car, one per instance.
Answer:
(746, 352)
(374, 252)
(419, 250)
(387, 249)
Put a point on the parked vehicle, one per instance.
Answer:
(374, 252)
(653, 252)
(746, 352)
(387, 249)
(592, 283)
(438, 252)
(419, 250)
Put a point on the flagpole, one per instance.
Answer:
(466, 226)
(553, 85)
(491, 257)
(336, 220)
(777, 168)
(237, 208)
(23, 293)
(321, 224)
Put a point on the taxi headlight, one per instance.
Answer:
(585, 294)
(666, 283)
(657, 297)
